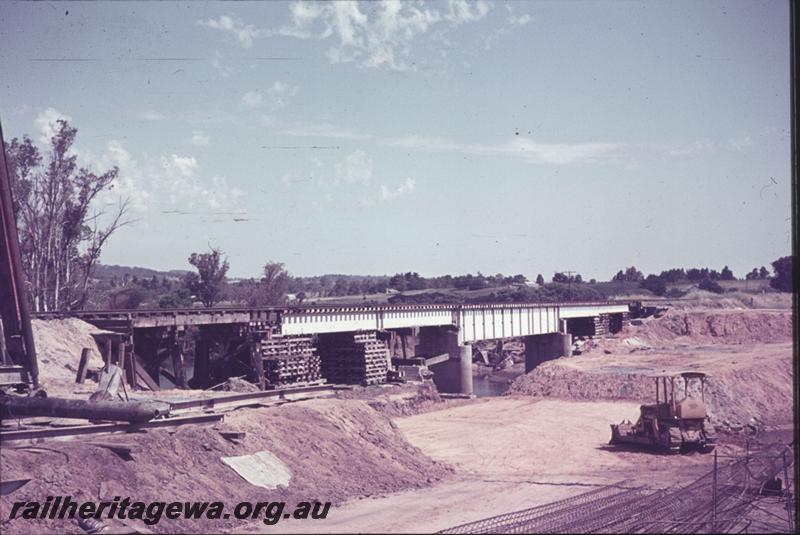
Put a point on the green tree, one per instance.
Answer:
(58, 219)
(208, 284)
(655, 284)
(634, 275)
(127, 298)
(272, 288)
(180, 298)
(726, 274)
(711, 286)
(783, 274)
(540, 279)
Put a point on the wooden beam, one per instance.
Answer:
(83, 366)
(130, 366)
(257, 363)
(201, 362)
(142, 374)
(121, 358)
(178, 366)
(168, 375)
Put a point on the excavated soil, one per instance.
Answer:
(401, 399)
(699, 327)
(58, 346)
(335, 449)
(747, 353)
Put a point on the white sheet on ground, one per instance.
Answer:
(261, 469)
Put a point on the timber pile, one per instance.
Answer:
(350, 358)
(602, 325)
(290, 360)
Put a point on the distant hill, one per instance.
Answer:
(107, 272)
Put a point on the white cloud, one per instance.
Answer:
(704, 145)
(407, 186)
(278, 96)
(244, 33)
(165, 181)
(355, 168)
(47, 123)
(512, 21)
(150, 115)
(549, 153)
(321, 130)
(563, 153)
(253, 99)
(281, 93)
(200, 139)
(379, 36)
(466, 11)
(220, 66)
(519, 20)
(740, 143)
(168, 181)
(186, 166)
(178, 183)
(130, 181)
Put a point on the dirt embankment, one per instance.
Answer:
(699, 327)
(401, 400)
(59, 343)
(335, 450)
(747, 353)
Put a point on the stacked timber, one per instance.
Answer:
(618, 322)
(289, 360)
(602, 325)
(354, 358)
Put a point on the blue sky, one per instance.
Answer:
(438, 137)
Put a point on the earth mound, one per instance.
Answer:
(334, 449)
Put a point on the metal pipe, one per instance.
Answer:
(134, 412)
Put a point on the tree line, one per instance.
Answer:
(706, 278)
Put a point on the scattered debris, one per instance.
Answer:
(261, 469)
(9, 486)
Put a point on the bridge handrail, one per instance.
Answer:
(316, 309)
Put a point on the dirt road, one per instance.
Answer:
(509, 454)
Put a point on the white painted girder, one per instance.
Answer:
(474, 322)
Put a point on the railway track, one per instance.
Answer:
(181, 412)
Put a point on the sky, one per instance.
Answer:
(436, 137)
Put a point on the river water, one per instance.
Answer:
(484, 386)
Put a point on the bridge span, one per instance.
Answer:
(474, 322)
(350, 344)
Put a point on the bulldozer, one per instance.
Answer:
(671, 424)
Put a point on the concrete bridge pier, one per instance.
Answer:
(453, 376)
(543, 347)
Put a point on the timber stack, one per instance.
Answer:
(354, 358)
(289, 360)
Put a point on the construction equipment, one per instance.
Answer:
(19, 368)
(670, 423)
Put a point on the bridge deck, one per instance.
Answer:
(474, 321)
